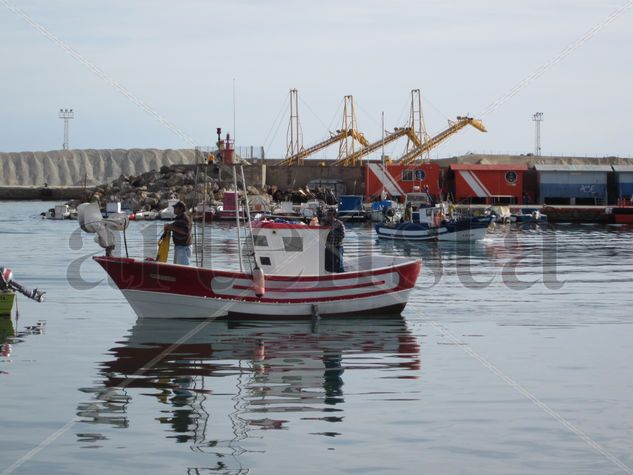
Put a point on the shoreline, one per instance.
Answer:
(43, 193)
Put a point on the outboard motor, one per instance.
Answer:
(91, 221)
(7, 283)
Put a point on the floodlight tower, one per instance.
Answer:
(295, 135)
(537, 118)
(66, 114)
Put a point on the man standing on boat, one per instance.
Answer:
(181, 234)
(334, 242)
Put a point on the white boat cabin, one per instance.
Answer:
(425, 210)
(290, 248)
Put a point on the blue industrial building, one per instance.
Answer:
(573, 184)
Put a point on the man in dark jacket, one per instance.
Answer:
(181, 234)
(334, 242)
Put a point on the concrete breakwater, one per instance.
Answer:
(74, 168)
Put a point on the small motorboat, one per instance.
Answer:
(529, 215)
(501, 214)
(168, 213)
(425, 220)
(146, 215)
(8, 288)
(59, 212)
(380, 210)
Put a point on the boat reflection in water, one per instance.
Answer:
(221, 380)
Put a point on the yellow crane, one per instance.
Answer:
(356, 157)
(410, 157)
(297, 158)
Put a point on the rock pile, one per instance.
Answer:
(153, 189)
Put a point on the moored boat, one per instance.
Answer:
(8, 288)
(622, 214)
(296, 284)
(429, 221)
(230, 207)
(528, 215)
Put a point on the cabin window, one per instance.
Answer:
(265, 261)
(293, 244)
(260, 241)
(407, 175)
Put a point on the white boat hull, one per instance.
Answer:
(376, 285)
(155, 305)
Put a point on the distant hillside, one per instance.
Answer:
(68, 167)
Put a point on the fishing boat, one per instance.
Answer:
(230, 207)
(429, 221)
(296, 284)
(284, 275)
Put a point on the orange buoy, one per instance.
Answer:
(259, 282)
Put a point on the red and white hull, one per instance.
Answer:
(377, 285)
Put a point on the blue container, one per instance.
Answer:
(350, 208)
(350, 204)
(380, 205)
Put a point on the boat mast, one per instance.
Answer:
(237, 217)
(382, 154)
(248, 214)
(204, 209)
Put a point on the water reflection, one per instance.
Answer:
(252, 375)
(11, 335)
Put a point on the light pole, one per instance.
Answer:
(537, 118)
(66, 114)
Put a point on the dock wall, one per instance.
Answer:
(295, 177)
(71, 168)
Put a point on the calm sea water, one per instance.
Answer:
(513, 356)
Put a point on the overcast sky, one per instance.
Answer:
(180, 59)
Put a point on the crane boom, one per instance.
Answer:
(462, 122)
(340, 135)
(398, 132)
